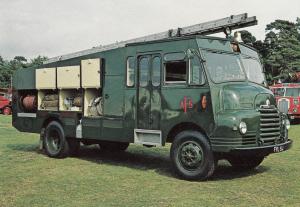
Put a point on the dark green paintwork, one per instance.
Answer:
(127, 108)
(24, 79)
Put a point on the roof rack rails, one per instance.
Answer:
(206, 28)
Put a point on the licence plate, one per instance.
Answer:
(277, 149)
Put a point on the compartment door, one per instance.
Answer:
(45, 78)
(90, 73)
(68, 77)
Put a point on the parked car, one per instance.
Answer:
(5, 103)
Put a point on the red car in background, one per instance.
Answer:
(5, 103)
(288, 98)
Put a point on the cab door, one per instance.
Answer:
(149, 93)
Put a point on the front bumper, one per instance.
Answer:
(294, 116)
(263, 150)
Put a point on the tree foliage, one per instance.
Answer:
(280, 50)
(8, 67)
(283, 45)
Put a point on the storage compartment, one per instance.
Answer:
(68, 77)
(26, 101)
(91, 73)
(70, 100)
(48, 100)
(45, 78)
(93, 103)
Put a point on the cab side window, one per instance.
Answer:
(196, 72)
(144, 64)
(130, 72)
(175, 68)
(156, 65)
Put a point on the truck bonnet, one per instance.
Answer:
(245, 96)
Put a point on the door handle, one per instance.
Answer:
(106, 96)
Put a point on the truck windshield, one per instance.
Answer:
(278, 91)
(253, 70)
(292, 92)
(223, 67)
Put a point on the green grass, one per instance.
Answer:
(137, 177)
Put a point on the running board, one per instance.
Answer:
(147, 137)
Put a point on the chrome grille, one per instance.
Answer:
(269, 125)
(249, 138)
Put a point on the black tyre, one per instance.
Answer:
(245, 163)
(55, 142)
(191, 156)
(7, 111)
(113, 146)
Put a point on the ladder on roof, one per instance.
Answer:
(211, 27)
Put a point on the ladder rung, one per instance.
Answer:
(211, 27)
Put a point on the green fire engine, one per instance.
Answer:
(205, 95)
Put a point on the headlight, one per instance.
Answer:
(243, 128)
(287, 124)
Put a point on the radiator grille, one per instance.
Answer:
(269, 125)
(249, 138)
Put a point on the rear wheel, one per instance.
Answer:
(113, 146)
(191, 156)
(55, 142)
(7, 111)
(245, 163)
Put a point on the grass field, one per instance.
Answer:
(137, 177)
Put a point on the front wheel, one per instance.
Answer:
(245, 163)
(7, 111)
(191, 156)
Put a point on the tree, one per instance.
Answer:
(20, 59)
(247, 37)
(280, 50)
(37, 61)
(8, 67)
(282, 43)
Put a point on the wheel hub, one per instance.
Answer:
(190, 155)
(54, 142)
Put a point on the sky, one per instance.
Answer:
(55, 27)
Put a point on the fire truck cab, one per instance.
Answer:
(288, 98)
